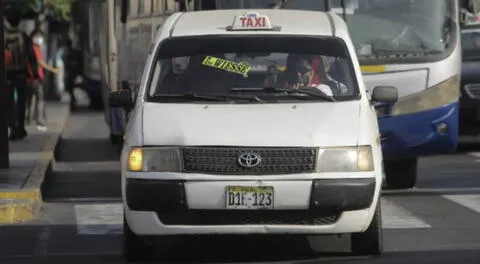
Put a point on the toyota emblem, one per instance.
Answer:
(249, 160)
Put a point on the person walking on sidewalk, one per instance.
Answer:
(19, 45)
(73, 68)
(36, 84)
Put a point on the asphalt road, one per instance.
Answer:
(437, 222)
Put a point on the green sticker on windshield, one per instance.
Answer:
(227, 65)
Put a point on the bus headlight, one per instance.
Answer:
(444, 93)
(162, 159)
(345, 159)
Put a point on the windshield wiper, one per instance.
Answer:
(194, 96)
(312, 92)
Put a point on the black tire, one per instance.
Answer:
(96, 102)
(369, 242)
(135, 249)
(401, 174)
(116, 139)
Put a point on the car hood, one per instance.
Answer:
(302, 124)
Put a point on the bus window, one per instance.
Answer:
(141, 7)
(93, 32)
(170, 6)
(229, 4)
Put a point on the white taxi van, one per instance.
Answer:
(251, 122)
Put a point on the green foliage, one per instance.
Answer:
(59, 9)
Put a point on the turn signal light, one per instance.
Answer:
(135, 160)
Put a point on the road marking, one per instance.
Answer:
(80, 200)
(474, 154)
(107, 219)
(396, 217)
(99, 219)
(470, 201)
(431, 191)
(25, 156)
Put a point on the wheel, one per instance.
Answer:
(116, 139)
(96, 102)
(401, 174)
(370, 242)
(135, 249)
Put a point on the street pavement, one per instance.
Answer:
(436, 222)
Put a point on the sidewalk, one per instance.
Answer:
(30, 160)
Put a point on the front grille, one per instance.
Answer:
(473, 90)
(224, 160)
(247, 217)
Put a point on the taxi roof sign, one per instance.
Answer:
(251, 21)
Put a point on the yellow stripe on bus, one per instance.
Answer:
(373, 68)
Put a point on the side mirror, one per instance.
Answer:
(122, 98)
(385, 94)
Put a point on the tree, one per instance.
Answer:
(60, 9)
(56, 9)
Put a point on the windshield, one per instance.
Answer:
(393, 29)
(240, 4)
(252, 69)
(471, 44)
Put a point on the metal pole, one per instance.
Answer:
(328, 5)
(344, 15)
(4, 143)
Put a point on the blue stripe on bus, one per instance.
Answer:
(416, 135)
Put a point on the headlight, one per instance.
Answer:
(155, 159)
(345, 159)
(436, 96)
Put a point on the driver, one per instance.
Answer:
(308, 73)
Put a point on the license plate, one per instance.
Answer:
(246, 197)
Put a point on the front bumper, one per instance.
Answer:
(417, 134)
(327, 206)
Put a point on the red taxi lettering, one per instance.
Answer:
(253, 21)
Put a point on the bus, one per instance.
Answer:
(126, 32)
(413, 45)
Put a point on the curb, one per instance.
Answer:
(26, 204)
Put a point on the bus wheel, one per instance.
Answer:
(116, 139)
(96, 102)
(401, 174)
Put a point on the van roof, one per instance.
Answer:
(289, 22)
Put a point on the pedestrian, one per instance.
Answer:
(38, 32)
(73, 68)
(59, 79)
(36, 85)
(21, 48)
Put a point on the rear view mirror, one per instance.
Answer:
(122, 98)
(385, 94)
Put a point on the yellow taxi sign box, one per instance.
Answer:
(251, 21)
